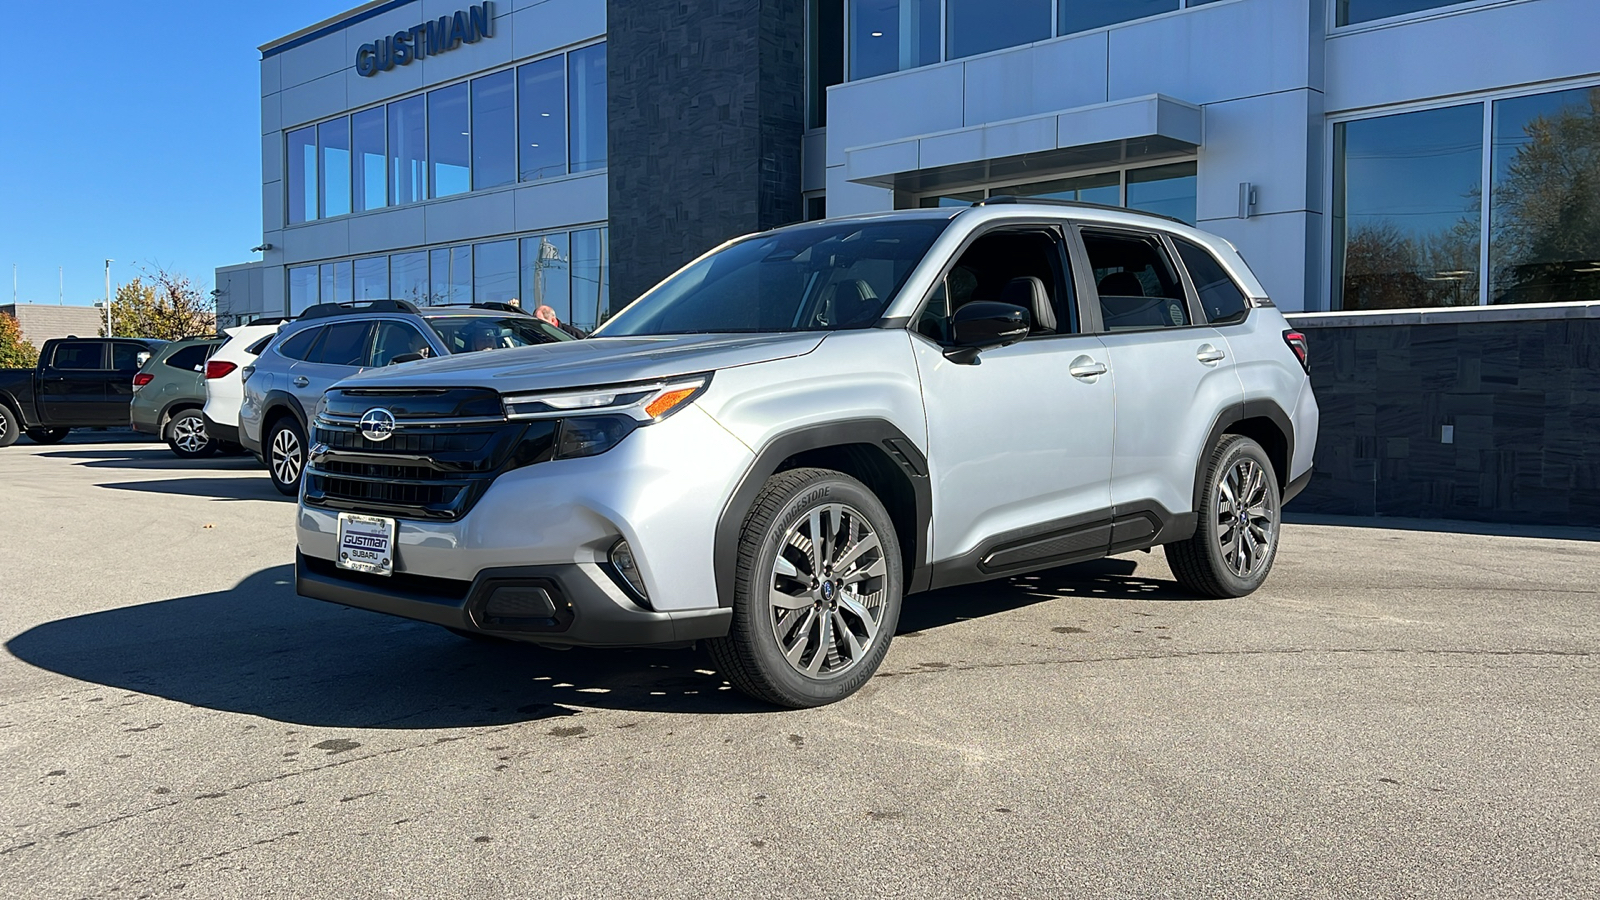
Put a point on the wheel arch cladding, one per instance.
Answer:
(177, 406)
(281, 403)
(872, 451)
(1264, 422)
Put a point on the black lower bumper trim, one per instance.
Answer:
(1298, 485)
(220, 432)
(601, 615)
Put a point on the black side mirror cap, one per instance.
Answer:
(984, 325)
(406, 357)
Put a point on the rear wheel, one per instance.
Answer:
(286, 454)
(186, 435)
(10, 426)
(1236, 539)
(817, 594)
(47, 435)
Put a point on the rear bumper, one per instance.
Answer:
(589, 609)
(220, 432)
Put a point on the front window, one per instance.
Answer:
(823, 277)
(468, 334)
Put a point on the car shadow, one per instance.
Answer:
(154, 458)
(219, 489)
(260, 649)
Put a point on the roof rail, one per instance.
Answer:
(487, 304)
(1008, 199)
(325, 310)
(267, 320)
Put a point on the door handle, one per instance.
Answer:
(1084, 367)
(1209, 354)
(301, 381)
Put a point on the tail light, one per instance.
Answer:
(1297, 343)
(141, 379)
(217, 368)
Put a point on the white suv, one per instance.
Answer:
(224, 384)
(774, 446)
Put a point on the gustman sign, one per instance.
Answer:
(466, 26)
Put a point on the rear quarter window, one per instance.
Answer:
(297, 345)
(190, 359)
(1220, 296)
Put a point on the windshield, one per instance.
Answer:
(465, 334)
(822, 277)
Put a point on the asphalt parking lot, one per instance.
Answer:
(1398, 713)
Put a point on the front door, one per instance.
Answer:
(339, 352)
(72, 387)
(1019, 446)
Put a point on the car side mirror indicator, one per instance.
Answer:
(985, 325)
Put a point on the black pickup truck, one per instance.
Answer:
(80, 383)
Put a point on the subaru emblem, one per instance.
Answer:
(377, 424)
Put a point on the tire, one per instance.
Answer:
(10, 426)
(1229, 556)
(777, 558)
(229, 448)
(285, 452)
(186, 435)
(47, 435)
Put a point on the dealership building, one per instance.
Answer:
(1362, 154)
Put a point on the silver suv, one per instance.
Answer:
(775, 445)
(333, 341)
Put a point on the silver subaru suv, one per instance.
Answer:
(773, 447)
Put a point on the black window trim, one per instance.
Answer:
(1086, 283)
(1194, 290)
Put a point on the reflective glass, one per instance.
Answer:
(978, 26)
(891, 35)
(494, 272)
(301, 157)
(448, 142)
(450, 274)
(546, 264)
(1544, 223)
(469, 334)
(542, 118)
(408, 276)
(824, 56)
(1166, 190)
(950, 200)
(1221, 298)
(302, 289)
(333, 146)
(494, 140)
(408, 151)
(1082, 15)
(1351, 12)
(1105, 189)
(591, 279)
(586, 81)
(366, 160)
(1406, 209)
(337, 282)
(342, 344)
(372, 278)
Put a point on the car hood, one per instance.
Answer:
(593, 361)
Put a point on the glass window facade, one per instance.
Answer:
(450, 273)
(408, 276)
(978, 26)
(540, 120)
(495, 275)
(372, 278)
(591, 278)
(824, 56)
(546, 273)
(1104, 188)
(1169, 190)
(1082, 15)
(303, 289)
(338, 283)
(891, 35)
(1354, 12)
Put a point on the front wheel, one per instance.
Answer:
(186, 435)
(47, 435)
(10, 426)
(1236, 538)
(817, 593)
(286, 455)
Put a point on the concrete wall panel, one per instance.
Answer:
(562, 203)
(392, 229)
(553, 24)
(470, 217)
(1037, 79)
(326, 96)
(898, 106)
(1213, 53)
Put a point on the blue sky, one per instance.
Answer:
(131, 130)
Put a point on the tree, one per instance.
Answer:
(162, 304)
(15, 351)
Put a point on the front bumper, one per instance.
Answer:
(589, 609)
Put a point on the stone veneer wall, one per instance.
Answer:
(1520, 387)
(706, 104)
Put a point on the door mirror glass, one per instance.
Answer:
(985, 325)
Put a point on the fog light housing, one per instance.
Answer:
(627, 568)
(520, 602)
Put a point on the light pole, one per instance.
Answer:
(108, 296)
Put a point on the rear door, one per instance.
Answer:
(126, 359)
(340, 351)
(72, 384)
(1172, 371)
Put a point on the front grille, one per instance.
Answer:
(426, 469)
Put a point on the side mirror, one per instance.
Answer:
(985, 325)
(406, 357)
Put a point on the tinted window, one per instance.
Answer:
(1220, 296)
(1135, 281)
(494, 142)
(80, 355)
(189, 359)
(344, 344)
(408, 156)
(1353, 11)
(393, 339)
(586, 97)
(297, 345)
(1082, 15)
(542, 98)
(890, 35)
(978, 26)
(256, 348)
(448, 142)
(129, 357)
(1164, 190)
(466, 334)
(1019, 268)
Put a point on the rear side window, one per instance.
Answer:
(190, 359)
(1220, 296)
(79, 355)
(344, 344)
(1138, 286)
(256, 348)
(297, 345)
(130, 357)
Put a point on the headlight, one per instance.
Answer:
(644, 402)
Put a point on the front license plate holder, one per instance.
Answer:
(366, 544)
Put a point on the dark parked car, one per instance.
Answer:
(80, 383)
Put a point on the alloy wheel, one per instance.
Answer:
(287, 456)
(1247, 520)
(827, 591)
(189, 433)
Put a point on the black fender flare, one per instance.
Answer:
(173, 408)
(276, 400)
(18, 409)
(1249, 409)
(879, 433)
